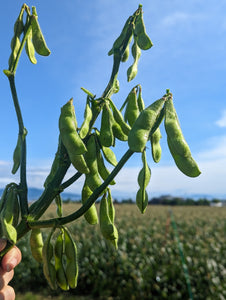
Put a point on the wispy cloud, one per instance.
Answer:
(165, 179)
(222, 121)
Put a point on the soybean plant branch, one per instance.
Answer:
(88, 203)
(23, 178)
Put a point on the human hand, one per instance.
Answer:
(9, 261)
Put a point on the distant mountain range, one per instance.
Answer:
(35, 193)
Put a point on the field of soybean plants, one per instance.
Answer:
(156, 258)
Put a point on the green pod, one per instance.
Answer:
(118, 132)
(78, 161)
(144, 175)
(109, 155)
(90, 155)
(132, 110)
(90, 215)
(122, 37)
(155, 145)
(48, 266)
(19, 26)
(140, 100)
(125, 55)
(30, 49)
(59, 267)
(102, 169)
(106, 132)
(186, 164)
(143, 126)
(108, 229)
(68, 130)
(38, 38)
(143, 40)
(142, 200)
(87, 118)
(55, 165)
(173, 130)
(111, 209)
(17, 154)
(119, 118)
(115, 86)
(15, 46)
(71, 263)
(36, 244)
(93, 181)
(132, 70)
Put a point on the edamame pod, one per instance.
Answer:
(146, 121)
(120, 40)
(186, 164)
(9, 215)
(106, 132)
(131, 111)
(59, 267)
(140, 100)
(91, 214)
(111, 209)
(143, 39)
(37, 36)
(108, 229)
(70, 138)
(132, 70)
(87, 118)
(173, 130)
(155, 145)
(118, 132)
(109, 155)
(71, 263)
(119, 118)
(30, 50)
(58, 201)
(17, 155)
(48, 266)
(144, 177)
(36, 244)
(102, 170)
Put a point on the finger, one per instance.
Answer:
(2, 244)
(11, 259)
(5, 278)
(7, 293)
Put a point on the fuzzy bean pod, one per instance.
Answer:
(143, 40)
(71, 263)
(177, 144)
(37, 36)
(70, 137)
(144, 177)
(132, 110)
(36, 244)
(59, 266)
(155, 145)
(90, 215)
(48, 266)
(106, 132)
(146, 121)
(87, 118)
(107, 227)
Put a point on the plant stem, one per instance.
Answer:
(23, 178)
(88, 203)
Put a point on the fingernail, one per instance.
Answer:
(11, 265)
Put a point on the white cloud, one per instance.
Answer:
(222, 121)
(177, 18)
(165, 179)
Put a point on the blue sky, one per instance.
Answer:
(188, 57)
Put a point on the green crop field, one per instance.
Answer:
(148, 262)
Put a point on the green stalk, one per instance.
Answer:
(23, 177)
(77, 214)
